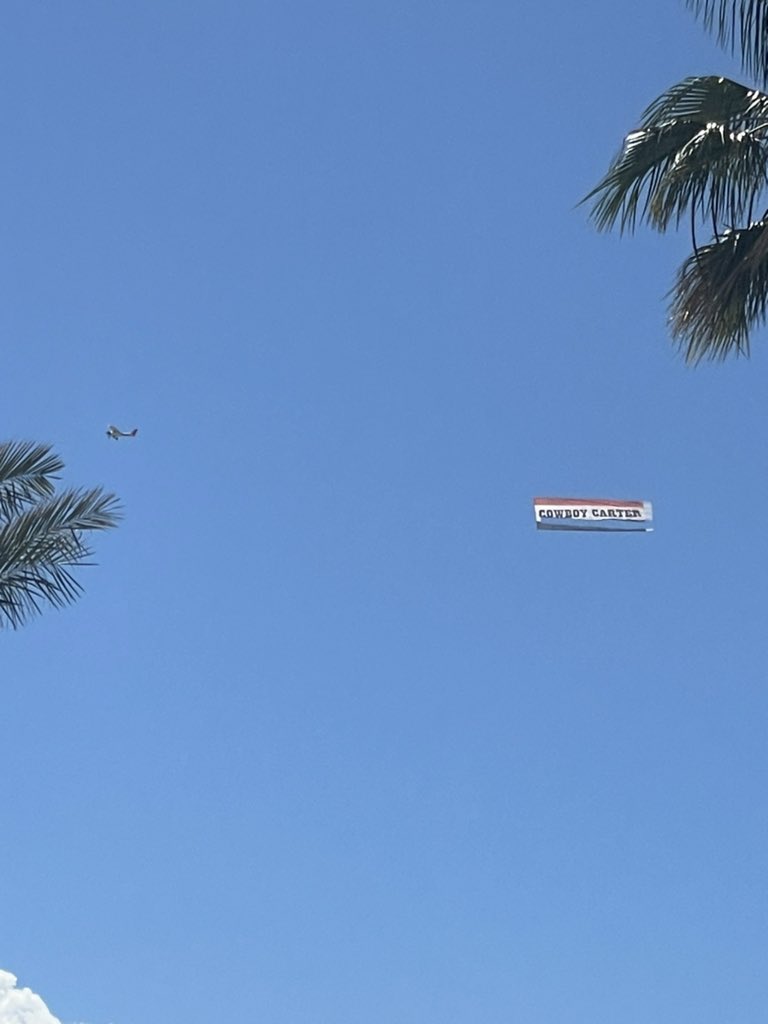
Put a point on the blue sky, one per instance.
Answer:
(334, 734)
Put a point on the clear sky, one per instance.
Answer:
(335, 736)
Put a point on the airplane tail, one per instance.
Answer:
(134, 432)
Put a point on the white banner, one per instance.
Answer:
(601, 513)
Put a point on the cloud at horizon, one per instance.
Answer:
(21, 1005)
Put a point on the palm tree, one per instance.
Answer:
(42, 533)
(700, 155)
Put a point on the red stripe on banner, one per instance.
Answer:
(587, 501)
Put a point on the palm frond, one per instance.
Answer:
(721, 294)
(27, 474)
(628, 188)
(741, 26)
(40, 545)
(718, 173)
(701, 145)
(703, 99)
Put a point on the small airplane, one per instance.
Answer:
(114, 433)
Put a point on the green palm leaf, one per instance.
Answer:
(718, 174)
(704, 98)
(721, 294)
(27, 472)
(702, 150)
(632, 180)
(741, 26)
(701, 147)
(42, 543)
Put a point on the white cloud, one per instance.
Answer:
(21, 1005)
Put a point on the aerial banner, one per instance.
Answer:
(595, 514)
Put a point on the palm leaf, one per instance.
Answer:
(721, 294)
(40, 545)
(718, 173)
(628, 188)
(702, 149)
(700, 146)
(704, 98)
(27, 472)
(741, 26)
